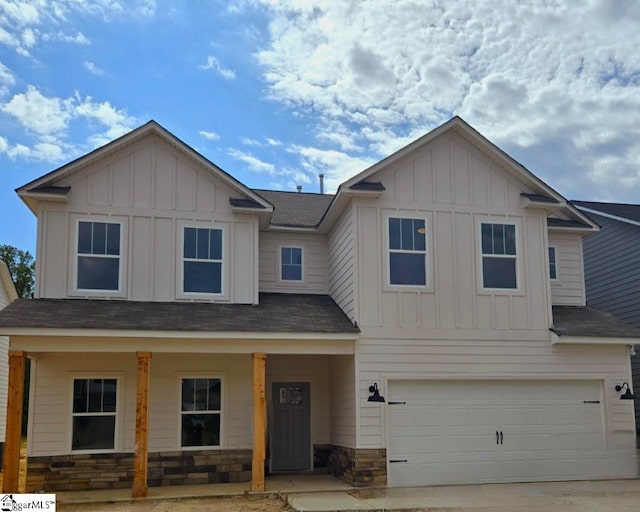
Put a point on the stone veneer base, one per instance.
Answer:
(81, 472)
(359, 467)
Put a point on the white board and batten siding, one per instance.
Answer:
(314, 265)
(154, 190)
(453, 330)
(568, 289)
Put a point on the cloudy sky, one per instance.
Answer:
(275, 92)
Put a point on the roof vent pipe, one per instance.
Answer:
(321, 176)
(299, 188)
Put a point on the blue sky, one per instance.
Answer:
(277, 92)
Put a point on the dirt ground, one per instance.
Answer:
(231, 504)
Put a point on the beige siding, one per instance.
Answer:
(343, 402)
(4, 367)
(382, 359)
(50, 420)
(154, 191)
(315, 264)
(312, 369)
(454, 188)
(568, 289)
(342, 267)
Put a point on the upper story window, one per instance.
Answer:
(98, 256)
(553, 266)
(202, 261)
(407, 251)
(94, 414)
(200, 411)
(291, 263)
(499, 258)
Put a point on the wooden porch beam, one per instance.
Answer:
(259, 422)
(13, 433)
(142, 426)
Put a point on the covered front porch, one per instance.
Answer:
(191, 412)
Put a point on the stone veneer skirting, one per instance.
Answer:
(358, 466)
(115, 470)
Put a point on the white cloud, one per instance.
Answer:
(6, 79)
(38, 113)
(268, 141)
(254, 163)
(212, 136)
(553, 83)
(94, 69)
(214, 64)
(79, 38)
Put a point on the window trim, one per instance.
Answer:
(117, 441)
(223, 408)
(428, 286)
(180, 293)
(73, 278)
(519, 289)
(555, 262)
(290, 282)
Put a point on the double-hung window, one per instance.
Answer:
(202, 261)
(499, 258)
(407, 251)
(200, 412)
(291, 263)
(98, 265)
(94, 414)
(553, 266)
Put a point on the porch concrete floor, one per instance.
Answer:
(275, 484)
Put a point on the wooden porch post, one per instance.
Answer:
(259, 422)
(142, 423)
(13, 434)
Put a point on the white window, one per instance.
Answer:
(407, 251)
(291, 264)
(202, 260)
(499, 258)
(94, 414)
(553, 268)
(99, 256)
(200, 410)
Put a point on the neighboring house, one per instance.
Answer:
(7, 295)
(412, 329)
(612, 268)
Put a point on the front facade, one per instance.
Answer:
(188, 329)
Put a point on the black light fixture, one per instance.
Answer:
(628, 395)
(375, 397)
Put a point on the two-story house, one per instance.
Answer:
(612, 268)
(424, 325)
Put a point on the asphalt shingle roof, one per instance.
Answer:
(591, 322)
(626, 211)
(563, 223)
(296, 208)
(303, 313)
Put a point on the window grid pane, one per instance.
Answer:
(291, 264)
(94, 431)
(553, 273)
(407, 251)
(499, 269)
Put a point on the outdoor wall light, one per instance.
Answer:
(627, 395)
(375, 397)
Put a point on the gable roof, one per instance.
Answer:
(275, 313)
(296, 209)
(623, 212)
(7, 283)
(542, 192)
(48, 185)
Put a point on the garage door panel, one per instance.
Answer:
(447, 431)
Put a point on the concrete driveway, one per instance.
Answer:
(598, 496)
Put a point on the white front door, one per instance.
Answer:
(451, 432)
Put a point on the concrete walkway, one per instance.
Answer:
(598, 496)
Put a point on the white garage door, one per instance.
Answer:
(451, 432)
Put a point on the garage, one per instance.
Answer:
(457, 432)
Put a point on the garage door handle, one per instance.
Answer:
(394, 461)
(501, 437)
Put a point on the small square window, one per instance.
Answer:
(291, 263)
